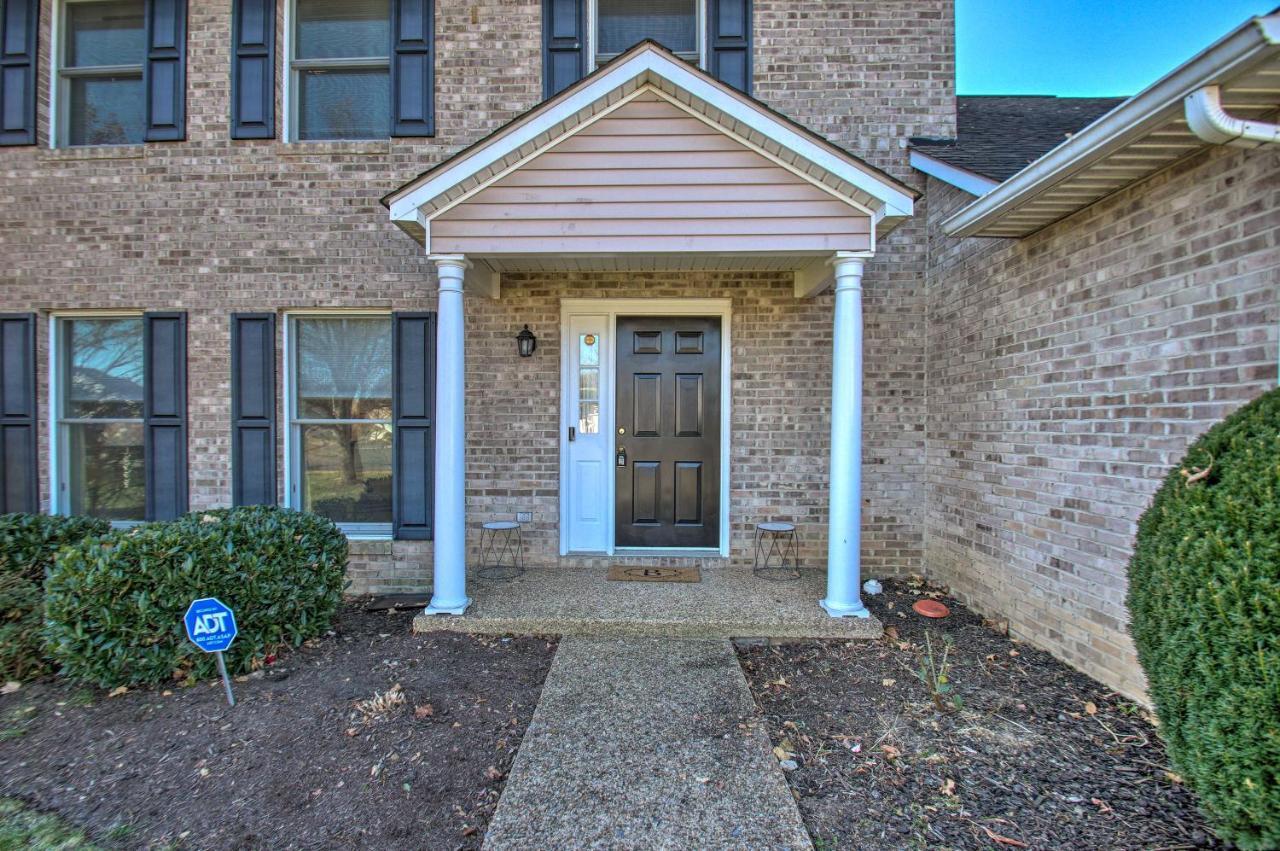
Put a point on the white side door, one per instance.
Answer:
(584, 437)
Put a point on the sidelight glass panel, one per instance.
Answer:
(344, 104)
(344, 368)
(109, 33)
(105, 110)
(346, 472)
(588, 384)
(671, 23)
(343, 29)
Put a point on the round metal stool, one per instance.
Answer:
(501, 550)
(778, 543)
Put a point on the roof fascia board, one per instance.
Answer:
(1158, 103)
(960, 178)
(649, 61)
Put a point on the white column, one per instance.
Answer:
(449, 594)
(844, 571)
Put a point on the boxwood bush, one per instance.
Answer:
(1204, 594)
(115, 603)
(28, 543)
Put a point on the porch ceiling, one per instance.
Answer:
(651, 164)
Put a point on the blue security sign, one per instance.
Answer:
(211, 626)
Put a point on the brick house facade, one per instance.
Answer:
(1021, 398)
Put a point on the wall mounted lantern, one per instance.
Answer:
(526, 343)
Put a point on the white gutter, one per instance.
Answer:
(1215, 125)
(1156, 105)
(961, 178)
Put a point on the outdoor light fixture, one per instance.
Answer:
(526, 342)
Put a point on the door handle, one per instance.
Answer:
(573, 434)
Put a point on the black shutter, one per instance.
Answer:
(412, 68)
(729, 37)
(18, 48)
(18, 450)
(564, 44)
(253, 69)
(164, 413)
(413, 407)
(164, 74)
(253, 409)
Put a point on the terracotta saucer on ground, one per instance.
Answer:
(930, 608)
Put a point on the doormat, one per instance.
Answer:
(623, 573)
(398, 602)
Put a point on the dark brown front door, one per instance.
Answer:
(667, 453)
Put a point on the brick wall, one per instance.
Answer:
(212, 226)
(1069, 371)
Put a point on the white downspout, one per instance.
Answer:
(1215, 125)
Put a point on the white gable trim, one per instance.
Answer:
(540, 130)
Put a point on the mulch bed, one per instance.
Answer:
(300, 762)
(1037, 756)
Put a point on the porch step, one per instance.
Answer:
(646, 743)
(727, 603)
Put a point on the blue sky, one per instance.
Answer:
(1085, 47)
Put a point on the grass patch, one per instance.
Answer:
(24, 828)
(15, 722)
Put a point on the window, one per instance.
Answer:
(340, 420)
(340, 69)
(588, 384)
(100, 72)
(98, 410)
(619, 24)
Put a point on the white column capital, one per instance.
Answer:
(450, 269)
(848, 266)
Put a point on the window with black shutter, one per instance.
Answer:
(120, 408)
(361, 69)
(579, 36)
(121, 72)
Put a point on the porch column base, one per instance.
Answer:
(449, 549)
(839, 610)
(447, 608)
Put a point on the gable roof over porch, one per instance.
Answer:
(651, 163)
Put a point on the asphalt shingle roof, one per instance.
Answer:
(999, 135)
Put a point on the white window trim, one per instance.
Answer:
(700, 24)
(611, 309)
(289, 68)
(59, 99)
(59, 504)
(292, 446)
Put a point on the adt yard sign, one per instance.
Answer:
(211, 626)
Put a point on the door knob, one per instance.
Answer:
(622, 431)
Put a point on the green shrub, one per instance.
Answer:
(1204, 593)
(115, 603)
(28, 543)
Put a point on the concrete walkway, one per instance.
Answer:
(646, 743)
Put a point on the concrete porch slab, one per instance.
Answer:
(728, 603)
